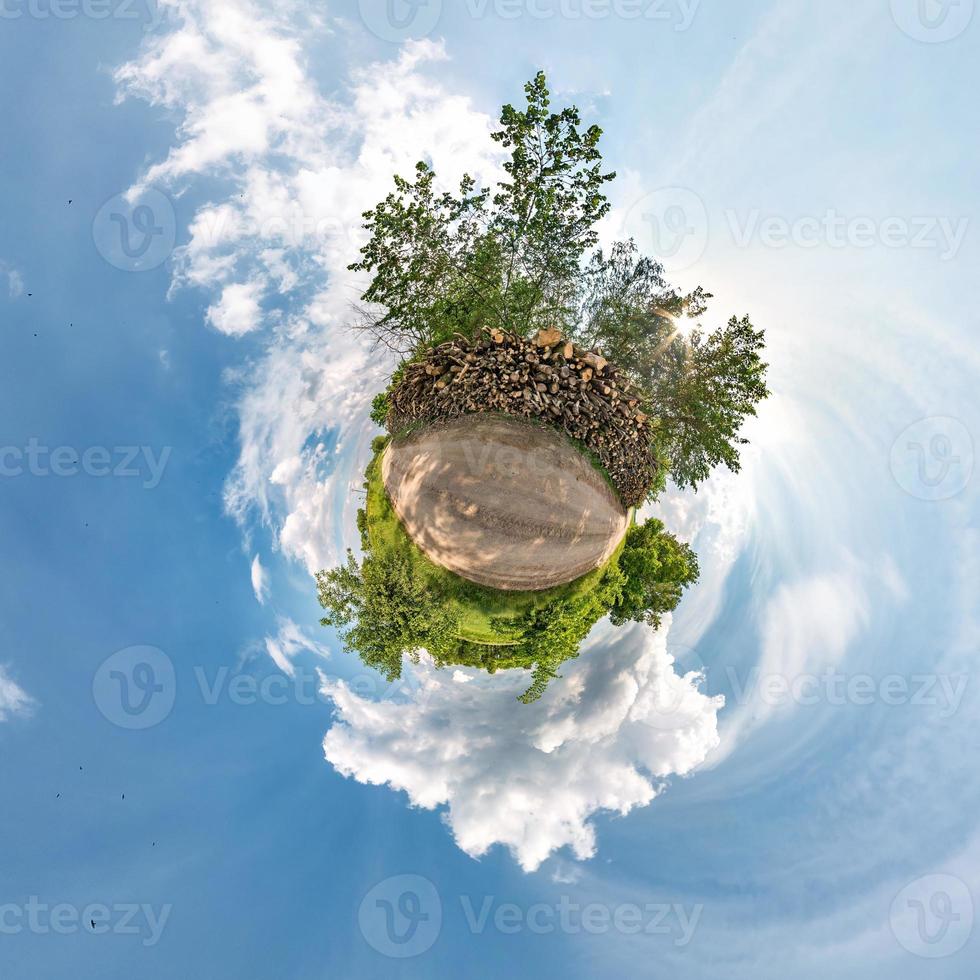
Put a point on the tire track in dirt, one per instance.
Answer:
(503, 503)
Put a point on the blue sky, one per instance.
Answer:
(782, 782)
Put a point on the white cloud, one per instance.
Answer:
(604, 737)
(807, 629)
(566, 874)
(260, 580)
(288, 643)
(235, 71)
(15, 281)
(301, 170)
(14, 700)
(238, 311)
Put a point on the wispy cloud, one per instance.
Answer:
(14, 700)
(300, 170)
(807, 628)
(289, 643)
(260, 580)
(15, 280)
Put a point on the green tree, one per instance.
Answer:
(383, 611)
(554, 634)
(627, 309)
(656, 568)
(701, 389)
(507, 258)
(699, 386)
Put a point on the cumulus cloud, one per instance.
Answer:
(604, 738)
(14, 700)
(237, 312)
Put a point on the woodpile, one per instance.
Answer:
(549, 379)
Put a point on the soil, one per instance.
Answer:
(503, 503)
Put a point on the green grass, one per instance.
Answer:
(484, 613)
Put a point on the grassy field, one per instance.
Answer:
(485, 614)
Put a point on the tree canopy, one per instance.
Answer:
(700, 385)
(506, 258)
(383, 611)
(656, 568)
(523, 255)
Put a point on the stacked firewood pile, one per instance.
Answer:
(547, 378)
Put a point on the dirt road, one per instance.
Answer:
(503, 503)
